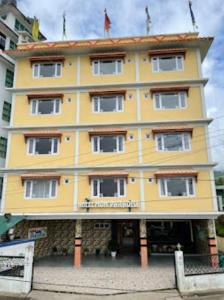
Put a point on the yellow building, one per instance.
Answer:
(108, 146)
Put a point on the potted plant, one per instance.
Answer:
(112, 246)
(97, 251)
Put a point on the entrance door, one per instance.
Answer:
(128, 236)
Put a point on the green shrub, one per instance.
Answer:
(220, 229)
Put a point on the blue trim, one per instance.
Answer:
(15, 242)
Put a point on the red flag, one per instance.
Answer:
(107, 22)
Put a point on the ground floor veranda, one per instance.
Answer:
(89, 242)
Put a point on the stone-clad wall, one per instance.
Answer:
(60, 234)
(93, 238)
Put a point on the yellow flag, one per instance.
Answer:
(35, 29)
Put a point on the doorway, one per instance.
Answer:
(128, 236)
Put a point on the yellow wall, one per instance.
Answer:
(18, 157)
(25, 78)
(190, 70)
(202, 202)
(23, 116)
(15, 201)
(197, 153)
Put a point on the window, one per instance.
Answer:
(108, 144)
(108, 187)
(47, 70)
(6, 112)
(2, 41)
(9, 78)
(45, 106)
(173, 142)
(102, 225)
(4, 17)
(20, 27)
(167, 63)
(38, 146)
(107, 67)
(177, 187)
(3, 147)
(40, 188)
(108, 104)
(12, 45)
(170, 100)
(1, 186)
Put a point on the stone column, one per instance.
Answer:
(78, 244)
(143, 244)
(212, 242)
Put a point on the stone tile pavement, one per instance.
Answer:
(107, 280)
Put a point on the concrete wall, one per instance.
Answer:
(196, 283)
(220, 243)
(18, 285)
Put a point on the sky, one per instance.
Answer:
(85, 20)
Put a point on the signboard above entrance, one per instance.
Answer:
(120, 204)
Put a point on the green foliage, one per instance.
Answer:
(220, 229)
(219, 181)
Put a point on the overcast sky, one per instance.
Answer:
(85, 19)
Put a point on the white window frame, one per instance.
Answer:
(37, 66)
(97, 100)
(157, 68)
(98, 61)
(33, 146)
(97, 138)
(184, 145)
(31, 189)
(36, 106)
(187, 179)
(99, 181)
(179, 101)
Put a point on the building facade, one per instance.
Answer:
(14, 28)
(108, 147)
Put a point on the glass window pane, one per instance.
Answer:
(159, 142)
(167, 63)
(176, 187)
(120, 143)
(55, 145)
(119, 66)
(108, 144)
(155, 64)
(95, 144)
(28, 189)
(53, 188)
(119, 103)
(35, 72)
(57, 105)
(95, 184)
(162, 185)
(180, 62)
(31, 145)
(186, 137)
(191, 186)
(183, 100)
(157, 100)
(43, 146)
(95, 104)
(108, 187)
(45, 107)
(41, 189)
(170, 101)
(121, 182)
(95, 67)
(107, 104)
(34, 106)
(58, 73)
(107, 67)
(47, 70)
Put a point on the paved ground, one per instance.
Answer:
(58, 274)
(165, 295)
